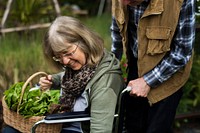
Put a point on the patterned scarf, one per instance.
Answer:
(73, 84)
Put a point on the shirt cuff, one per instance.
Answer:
(151, 80)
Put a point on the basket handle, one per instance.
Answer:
(25, 85)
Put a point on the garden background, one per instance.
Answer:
(21, 51)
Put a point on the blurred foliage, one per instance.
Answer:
(198, 11)
(24, 12)
(90, 5)
(191, 90)
(190, 101)
(124, 67)
(20, 56)
(31, 10)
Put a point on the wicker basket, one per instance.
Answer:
(22, 124)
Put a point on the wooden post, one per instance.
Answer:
(101, 6)
(57, 7)
(5, 15)
(30, 27)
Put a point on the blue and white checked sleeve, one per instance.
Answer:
(117, 46)
(181, 48)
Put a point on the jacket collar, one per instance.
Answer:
(155, 7)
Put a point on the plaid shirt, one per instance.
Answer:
(181, 47)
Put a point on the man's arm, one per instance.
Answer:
(117, 47)
(181, 48)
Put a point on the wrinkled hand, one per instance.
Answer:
(45, 82)
(139, 87)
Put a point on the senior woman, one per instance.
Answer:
(91, 78)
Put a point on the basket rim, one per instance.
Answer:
(4, 104)
(25, 86)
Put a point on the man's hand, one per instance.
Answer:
(139, 87)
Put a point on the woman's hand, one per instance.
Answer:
(45, 82)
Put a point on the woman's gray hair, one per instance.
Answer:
(65, 31)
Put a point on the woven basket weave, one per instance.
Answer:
(22, 124)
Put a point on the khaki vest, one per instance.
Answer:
(155, 32)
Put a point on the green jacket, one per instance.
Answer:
(103, 90)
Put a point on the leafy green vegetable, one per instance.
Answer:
(12, 95)
(34, 103)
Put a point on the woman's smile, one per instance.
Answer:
(74, 64)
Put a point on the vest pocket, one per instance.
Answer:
(158, 40)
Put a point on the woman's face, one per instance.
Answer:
(73, 58)
(131, 2)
